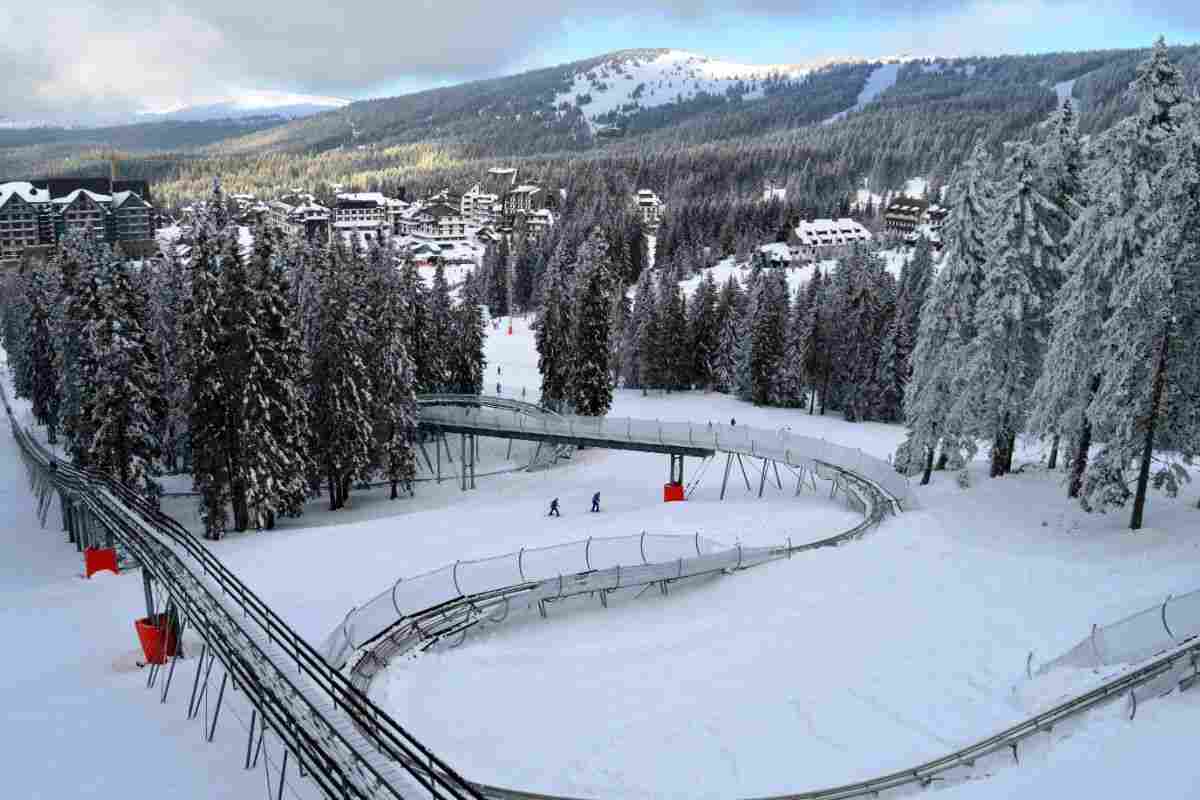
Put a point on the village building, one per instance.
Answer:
(825, 238)
(904, 215)
(649, 207)
(300, 215)
(36, 215)
(363, 213)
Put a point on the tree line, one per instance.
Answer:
(271, 370)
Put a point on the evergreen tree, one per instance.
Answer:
(725, 359)
(672, 362)
(466, 360)
(272, 411)
(947, 323)
(342, 402)
(1005, 357)
(631, 341)
(209, 396)
(78, 260)
(591, 385)
(813, 346)
(768, 334)
(42, 290)
(553, 335)
(170, 307)
(703, 331)
(441, 343)
(125, 404)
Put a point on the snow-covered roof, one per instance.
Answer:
(25, 190)
(67, 199)
(829, 232)
(120, 198)
(363, 197)
(526, 188)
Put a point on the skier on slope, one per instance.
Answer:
(595, 502)
(554, 508)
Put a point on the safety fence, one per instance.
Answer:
(479, 414)
(1135, 637)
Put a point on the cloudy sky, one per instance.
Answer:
(76, 58)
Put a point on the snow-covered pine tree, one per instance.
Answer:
(703, 331)
(747, 314)
(788, 385)
(170, 302)
(16, 331)
(596, 284)
(768, 335)
(272, 411)
(77, 260)
(466, 361)
(673, 360)
(870, 306)
(342, 406)
(441, 331)
(1148, 375)
(1107, 242)
(553, 335)
(125, 405)
(947, 319)
(1004, 358)
(496, 268)
(725, 359)
(209, 392)
(813, 345)
(631, 340)
(393, 374)
(42, 291)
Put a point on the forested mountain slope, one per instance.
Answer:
(727, 128)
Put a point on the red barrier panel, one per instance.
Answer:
(99, 558)
(672, 492)
(157, 642)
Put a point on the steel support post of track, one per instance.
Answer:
(196, 681)
(217, 711)
(282, 774)
(462, 478)
(762, 481)
(194, 710)
(778, 480)
(676, 468)
(725, 479)
(745, 476)
(437, 445)
(148, 588)
(250, 737)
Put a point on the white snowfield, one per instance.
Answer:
(666, 78)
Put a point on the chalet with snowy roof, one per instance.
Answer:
(36, 215)
(521, 199)
(825, 238)
(649, 207)
(774, 193)
(300, 215)
(440, 223)
(904, 215)
(362, 213)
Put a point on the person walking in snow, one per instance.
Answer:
(554, 508)
(732, 422)
(595, 502)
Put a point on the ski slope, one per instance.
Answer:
(879, 81)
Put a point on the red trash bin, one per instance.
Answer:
(673, 492)
(99, 558)
(158, 643)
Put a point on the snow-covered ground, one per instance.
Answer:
(796, 276)
(816, 670)
(1064, 89)
(666, 78)
(879, 81)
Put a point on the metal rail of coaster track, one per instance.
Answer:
(348, 746)
(338, 735)
(1178, 665)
